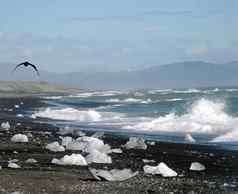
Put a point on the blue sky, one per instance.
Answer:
(109, 35)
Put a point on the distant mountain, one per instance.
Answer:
(176, 75)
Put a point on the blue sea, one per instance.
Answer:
(194, 115)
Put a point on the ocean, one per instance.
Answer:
(203, 116)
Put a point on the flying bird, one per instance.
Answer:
(26, 64)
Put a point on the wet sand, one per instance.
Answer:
(220, 176)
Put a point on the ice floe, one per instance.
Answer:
(55, 147)
(117, 150)
(161, 168)
(113, 175)
(69, 130)
(196, 166)
(19, 138)
(31, 161)
(98, 157)
(5, 125)
(148, 161)
(136, 143)
(13, 165)
(73, 159)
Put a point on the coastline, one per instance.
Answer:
(220, 176)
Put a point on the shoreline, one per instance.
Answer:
(220, 176)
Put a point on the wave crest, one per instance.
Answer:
(204, 116)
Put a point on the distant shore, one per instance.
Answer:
(33, 88)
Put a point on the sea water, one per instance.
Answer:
(208, 115)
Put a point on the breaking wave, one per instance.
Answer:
(129, 100)
(203, 117)
(90, 116)
(69, 114)
(96, 93)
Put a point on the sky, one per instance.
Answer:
(109, 35)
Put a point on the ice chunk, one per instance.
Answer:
(20, 115)
(68, 130)
(87, 144)
(31, 161)
(55, 147)
(5, 125)
(73, 159)
(136, 143)
(16, 106)
(196, 166)
(19, 138)
(66, 140)
(151, 169)
(98, 157)
(147, 161)
(13, 165)
(117, 150)
(189, 138)
(13, 161)
(165, 171)
(113, 175)
(162, 169)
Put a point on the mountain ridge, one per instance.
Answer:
(173, 75)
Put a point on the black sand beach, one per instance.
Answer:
(220, 176)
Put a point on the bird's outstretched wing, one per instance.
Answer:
(17, 67)
(35, 68)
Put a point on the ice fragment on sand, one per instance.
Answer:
(196, 166)
(5, 125)
(97, 157)
(31, 161)
(113, 175)
(136, 143)
(73, 159)
(147, 161)
(66, 140)
(87, 144)
(117, 150)
(165, 171)
(13, 165)
(55, 147)
(72, 131)
(189, 138)
(162, 169)
(151, 169)
(19, 138)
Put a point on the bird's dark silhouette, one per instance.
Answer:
(26, 64)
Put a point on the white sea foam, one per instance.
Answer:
(231, 136)
(130, 100)
(204, 116)
(96, 93)
(53, 97)
(69, 114)
(188, 91)
(173, 99)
